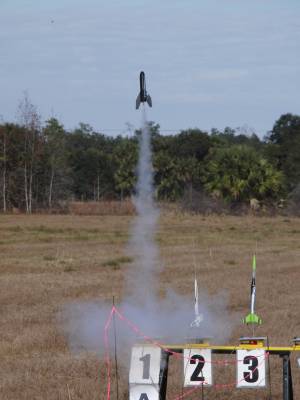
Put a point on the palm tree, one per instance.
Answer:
(239, 173)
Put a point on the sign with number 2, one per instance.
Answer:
(197, 367)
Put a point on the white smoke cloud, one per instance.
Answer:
(168, 318)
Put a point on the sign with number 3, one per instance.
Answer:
(251, 368)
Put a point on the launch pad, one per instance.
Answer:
(252, 364)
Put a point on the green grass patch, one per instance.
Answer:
(49, 258)
(117, 262)
(230, 262)
(295, 231)
(69, 268)
(15, 229)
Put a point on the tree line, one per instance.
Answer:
(44, 165)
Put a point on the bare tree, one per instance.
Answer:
(3, 158)
(54, 136)
(4, 172)
(30, 119)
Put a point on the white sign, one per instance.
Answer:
(143, 392)
(197, 367)
(251, 368)
(145, 365)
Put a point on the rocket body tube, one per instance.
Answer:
(252, 318)
(253, 294)
(143, 96)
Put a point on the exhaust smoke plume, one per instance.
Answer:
(167, 318)
(142, 246)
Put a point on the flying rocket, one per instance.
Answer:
(198, 317)
(143, 96)
(252, 318)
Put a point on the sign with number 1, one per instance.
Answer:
(144, 373)
(145, 365)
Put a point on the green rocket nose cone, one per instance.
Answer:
(254, 263)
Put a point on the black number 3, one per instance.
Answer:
(252, 375)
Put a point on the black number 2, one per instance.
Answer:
(146, 366)
(252, 375)
(200, 361)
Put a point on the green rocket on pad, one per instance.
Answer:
(252, 318)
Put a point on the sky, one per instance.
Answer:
(208, 63)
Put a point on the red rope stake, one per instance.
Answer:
(107, 355)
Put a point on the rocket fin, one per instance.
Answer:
(138, 102)
(149, 101)
(252, 319)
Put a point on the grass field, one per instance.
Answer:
(48, 261)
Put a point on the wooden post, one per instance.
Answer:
(287, 378)
(163, 375)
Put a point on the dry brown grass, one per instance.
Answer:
(47, 261)
(125, 207)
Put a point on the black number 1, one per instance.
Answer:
(200, 364)
(146, 366)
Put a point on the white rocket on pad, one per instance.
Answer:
(198, 317)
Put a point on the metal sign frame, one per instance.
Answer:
(283, 352)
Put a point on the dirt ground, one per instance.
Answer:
(48, 261)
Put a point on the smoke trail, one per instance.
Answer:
(142, 244)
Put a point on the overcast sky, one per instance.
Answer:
(208, 63)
